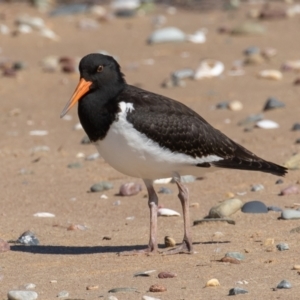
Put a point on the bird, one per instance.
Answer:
(150, 136)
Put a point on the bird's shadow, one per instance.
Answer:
(80, 250)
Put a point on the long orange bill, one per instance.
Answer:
(82, 88)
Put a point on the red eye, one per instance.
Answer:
(100, 69)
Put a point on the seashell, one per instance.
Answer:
(144, 273)
(167, 34)
(166, 212)
(270, 74)
(4, 246)
(169, 242)
(267, 124)
(290, 190)
(23, 28)
(50, 34)
(209, 68)
(50, 63)
(235, 105)
(123, 289)
(212, 282)
(163, 275)
(120, 5)
(38, 132)
(92, 287)
(76, 227)
(157, 288)
(292, 65)
(145, 297)
(231, 260)
(130, 189)
(296, 267)
(4, 29)
(198, 37)
(44, 215)
(163, 180)
(33, 22)
(78, 126)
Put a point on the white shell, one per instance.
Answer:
(209, 68)
(163, 180)
(270, 74)
(78, 126)
(166, 212)
(267, 124)
(125, 4)
(38, 132)
(44, 215)
(198, 37)
(168, 34)
(145, 297)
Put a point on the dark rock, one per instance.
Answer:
(101, 186)
(274, 208)
(85, 140)
(164, 190)
(297, 141)
(222, 105)
(252, 50)
(282, 246)
(28, 238)
(272, 103)
(237, 291)
(284, 284)
(279, 181)
(296, 127)
(254, 207)
(75, 165)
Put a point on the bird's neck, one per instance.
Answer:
(98, 110)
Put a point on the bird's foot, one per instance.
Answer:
(147, 251)
(184, 248)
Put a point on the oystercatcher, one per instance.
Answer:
(150, 136)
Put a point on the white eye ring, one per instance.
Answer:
(100, 69)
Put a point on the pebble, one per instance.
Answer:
(284, 284)
(88, 24)
(117, 203)
(290, 190)
(144, 273)
(101, 186)
(252, 50)
(279, 181)
(33, 22)
(169, 242)
(199, 37)
(297, 141)
(44, 215)
(76, 227)
(296, 127)
(292, 65)
(38, 132)
(295, 230)
(123, 289)
(274, 208)
(209, 68)
(112, 298)
(165, 35)
(166, 212)
(85, 140)
(78, 126)
(164, 190)
(257, 187)
(225, 208)
(130, 189)
(235, 105)
(182, 74)
(186, 179)
(222, 105)
(207, 220)
(4, 246)
(212, 283)
(251, 119)
(30, 286)
(254, 59)
(272, 103)
(164, 180)
(39, 149)
(69, 9)
(293, 163)
(50, 63)
(28, 238)
(296, 267)
(92, 287)
(254, 207)
(22, 295)
(297, 81)
(249, 28)
(93, 156)
(237, 291)
(270, 74)
(282, 246)
(157, 288)
(290, 214)
(75, 165)
(231, 260)
(267, 124)
(236, 255)
(145, 297)
(63, 294)
(163, 275)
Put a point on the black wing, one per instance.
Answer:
(178, 128)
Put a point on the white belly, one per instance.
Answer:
(134, 154)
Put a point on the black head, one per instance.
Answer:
(101, 70)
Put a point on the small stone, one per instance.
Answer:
(63, 294)
(210, 220)
(252, 50)
(293, 163)
(4, 246)
(157, 288)
(274, 208)
(272, 103)
(22, 295)
(297, 81)
(209, 68)
(270, 74)
(92, 287)
(284, 284)
(194, 204)
(237, 291)
(169, 242)
(249, 28)
(76, 227)
(251, 119)
(254, 59)
(112, 298)
(39, 149)
(257, 187)
(101, 186)
(296, 267)
(212, 283)
(164, 190)
(290, 190)
(163, 275)
(186, 179)
(75, 165)
(222, 105)
(296, 127)
(254, 207)
(122, 289)
(44, 215)
(130, 189)
(93, 156)
(30, 286)
(106, 238)
(225, 208)
(269, 242)
(290, 214)
(38, 132)
(231, 260)
(236, 255)
(78, 126)
(145, 297)
(297, 141)
(117, 203)
(28, 238)
(165, 35)
(144, 273)
(182, 74)
(279, 181)
(235, 105)
(85, 140)
(282, 246)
